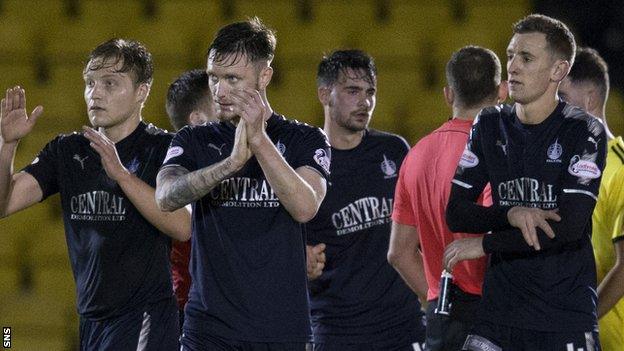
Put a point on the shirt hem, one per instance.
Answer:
(574, 327)
(254, 339)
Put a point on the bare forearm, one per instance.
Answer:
(175, 224)
(611, 290)
(294, 193)
(405, 257)
(7, 155)
(176, 187)
(410, 268)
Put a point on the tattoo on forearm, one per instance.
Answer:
(179, 187)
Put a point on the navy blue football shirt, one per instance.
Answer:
(556, 164)
(248, 256)
(119, 260)
(359, 297)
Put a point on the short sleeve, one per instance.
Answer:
(403, 146)
(402, 211)
(471, 173)
(44, 168)
(181, 151)
(616, 187)
(313, 151)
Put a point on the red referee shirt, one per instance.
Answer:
(422, 193)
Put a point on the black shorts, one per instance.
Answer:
(397, 340)
(375, 346)
(495, 337)
(191, 342)
(153, 328)
(450, 332)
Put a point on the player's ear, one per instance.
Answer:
(196, 118)
(266, 73)
(503, 91)
(143, 91)
(560, 70)
(449, 96)
(592, 99)
(323, 94)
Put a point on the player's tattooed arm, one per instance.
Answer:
(176, 187)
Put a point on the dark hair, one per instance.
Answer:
(590, 67)
(342, 60)
(134, 55)
(474, 74)
(558, 35)
(185, 95)
(250, 38)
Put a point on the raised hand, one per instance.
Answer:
(108, 154)
(14, 121)
(248, 104)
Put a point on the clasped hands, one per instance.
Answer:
(253, 111)
(526, 219)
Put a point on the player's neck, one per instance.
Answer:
(466, 114)
(120, 131)
(603, 119)
(343, 139)
(537, 111)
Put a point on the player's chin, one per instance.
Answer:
(97, 121)
(517, 97)
(225, 115)
(105, 122)
(358, 126)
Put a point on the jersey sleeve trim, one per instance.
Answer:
(617, 149)
(462, 184)
(315, 170)
(172, 165)
(617, 239)
(39, 182)
(400, 219)
(578, 191)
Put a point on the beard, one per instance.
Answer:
(352, 126)
(352, 123)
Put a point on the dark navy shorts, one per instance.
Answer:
(449, 332)
(492, 337)
(154, 328)
(192, 342)
(404, 340)
(378, 346)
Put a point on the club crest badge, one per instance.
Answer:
(280, 147)
(388, 167)
(554, 152)
(133, 166)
